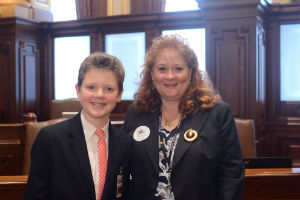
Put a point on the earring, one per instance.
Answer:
(153, 86)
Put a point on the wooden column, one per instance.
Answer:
(19, 66)
(235, 49)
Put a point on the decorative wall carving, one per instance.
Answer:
(29, 77)
(230, 67)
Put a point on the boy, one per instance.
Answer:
(82, 158)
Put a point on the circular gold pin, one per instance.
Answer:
(190, 135)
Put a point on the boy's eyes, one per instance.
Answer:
(90, 87)
(108, 89)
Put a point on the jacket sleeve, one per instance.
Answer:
(38, 185)
(231, 170)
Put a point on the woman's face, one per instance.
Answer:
(171, 75)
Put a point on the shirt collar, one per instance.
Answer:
(89, 129)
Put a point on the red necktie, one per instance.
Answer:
(102, 160)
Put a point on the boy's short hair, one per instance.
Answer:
(102, 61)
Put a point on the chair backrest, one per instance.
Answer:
(246, 132)
(31, 131)
(59, 107)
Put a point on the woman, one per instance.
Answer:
(186, 144)
(83, 158)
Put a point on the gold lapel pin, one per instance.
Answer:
(190, 135)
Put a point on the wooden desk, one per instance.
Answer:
(272, 184)
(260, 184)
(11, 148)
(12, 187)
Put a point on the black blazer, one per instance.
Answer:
(60, 167)
(210, 167)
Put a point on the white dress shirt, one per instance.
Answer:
(91, 143)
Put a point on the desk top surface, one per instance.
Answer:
(270, 172)
(20, 179)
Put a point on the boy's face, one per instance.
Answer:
(98, 95)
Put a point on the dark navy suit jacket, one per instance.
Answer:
(60, 167)
(210, 167)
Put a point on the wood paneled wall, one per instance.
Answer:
(5, 65)
(19, 67)
(242, 58)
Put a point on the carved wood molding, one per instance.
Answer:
(285, 144)
(29, 82)
(230, 66)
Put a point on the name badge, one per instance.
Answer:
(119, 183)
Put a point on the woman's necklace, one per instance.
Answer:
(172, 122)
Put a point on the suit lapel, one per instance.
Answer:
(152, 142)
(78, 146)
(113, 159)
(195, 122)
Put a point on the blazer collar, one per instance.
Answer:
(78, 146)
(113, 160)
(151, 143)
(195, 122)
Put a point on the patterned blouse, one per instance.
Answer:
(167, 144)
